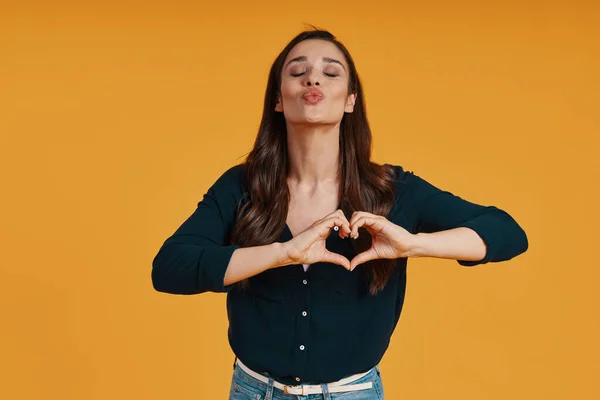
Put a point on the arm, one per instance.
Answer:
(196, 259)
(462, 244)
(451, 227)
(250, 261)
(193, 260)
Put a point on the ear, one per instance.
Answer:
(279, 105)
(350, 103)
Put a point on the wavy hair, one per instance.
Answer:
(364, 185)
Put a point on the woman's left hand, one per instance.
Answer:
(389, 239)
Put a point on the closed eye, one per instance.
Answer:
(325, 73)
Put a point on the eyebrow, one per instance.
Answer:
(325, 59)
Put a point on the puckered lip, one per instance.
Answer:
(312, 93)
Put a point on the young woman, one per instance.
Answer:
(310, 238)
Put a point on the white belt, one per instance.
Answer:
(304, 390)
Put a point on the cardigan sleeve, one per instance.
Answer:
(439, 210)
(195, 257)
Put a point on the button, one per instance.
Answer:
(336, 228)
(297, 379)
(301, 347)
(304, 313)
(305, 282)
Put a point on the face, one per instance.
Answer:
(314, 84)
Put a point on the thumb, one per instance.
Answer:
(363, 257)
(335, 258)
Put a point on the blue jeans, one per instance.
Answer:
(246, 387)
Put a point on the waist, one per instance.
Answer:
(342, 385)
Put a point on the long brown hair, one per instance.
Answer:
(364, 185)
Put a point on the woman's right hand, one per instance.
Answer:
(308, 247)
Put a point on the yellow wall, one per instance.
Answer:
(115, 119)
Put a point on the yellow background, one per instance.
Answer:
(115, 118)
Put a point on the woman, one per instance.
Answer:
(310, 239)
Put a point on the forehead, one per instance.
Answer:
(315, 49)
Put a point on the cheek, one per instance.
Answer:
(289, 90)
(339, 92)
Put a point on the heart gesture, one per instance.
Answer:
(389, 240)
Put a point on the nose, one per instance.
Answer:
(312, 79)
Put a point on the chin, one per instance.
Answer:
(318, 119)
(313, 119)
(306, 120)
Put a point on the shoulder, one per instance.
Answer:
(401, 177)
(232, 179)
(229, 187)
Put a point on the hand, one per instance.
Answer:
(389, 239)
(308, 247)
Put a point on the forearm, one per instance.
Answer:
(249, 261)
(457, 244)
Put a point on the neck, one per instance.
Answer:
(313, 154)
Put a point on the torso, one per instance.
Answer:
(306, 208)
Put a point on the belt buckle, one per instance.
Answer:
(289, 389)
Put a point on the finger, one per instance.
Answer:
(344, 230)
(358, 214)
(339, 213)
(335, 258)
(363, 258)
(372, 223)
(336, 220)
